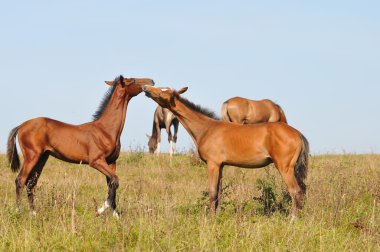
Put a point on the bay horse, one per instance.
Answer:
(163, 118)
(96, 143)
(246, 111)
(221, 143)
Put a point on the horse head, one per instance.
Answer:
(152, 143)
(131, 86)
(163, 96)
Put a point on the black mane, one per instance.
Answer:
(198, 108)
(106, 99)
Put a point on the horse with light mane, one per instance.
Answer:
(248, 146)
(96, 143)
(163, 118)
(246, 111)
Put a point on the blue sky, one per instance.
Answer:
(319, 60)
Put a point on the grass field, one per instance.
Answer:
(164, 207)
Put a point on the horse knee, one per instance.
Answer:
(114, 182)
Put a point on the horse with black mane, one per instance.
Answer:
(96, 143)
(249, 146)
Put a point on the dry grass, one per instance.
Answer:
(164, 208)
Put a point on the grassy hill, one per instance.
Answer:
(164, 206)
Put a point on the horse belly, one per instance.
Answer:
(253, 161)
(70, 153)
(67, 147)
(245, 149)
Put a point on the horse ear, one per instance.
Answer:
(110, 83)
(182, 90)
(121, 79)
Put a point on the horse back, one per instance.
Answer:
(72, 143)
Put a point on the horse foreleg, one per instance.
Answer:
(170, 139)
(158, 148)
(175, 125)
(215, 185)
(112, 183)
(112, 192)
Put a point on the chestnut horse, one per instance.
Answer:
(96, 143)
(245, 111)
(163, 118)
(249, 146)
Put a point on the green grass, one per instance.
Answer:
(164, 207)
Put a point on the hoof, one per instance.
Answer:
(116, 214)
(103, 208)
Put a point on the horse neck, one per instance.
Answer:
(113, 118)
(195, 123)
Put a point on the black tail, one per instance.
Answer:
(302, 164)
(12, 154)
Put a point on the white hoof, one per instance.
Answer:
(103, 208)
(33, 213)
(115, 214)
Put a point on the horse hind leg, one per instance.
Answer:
(175, 125)
(29, 162)
(294, 189)
(170, 139)
(173, 147)
(33, 179)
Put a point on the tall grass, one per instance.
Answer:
(164, 207)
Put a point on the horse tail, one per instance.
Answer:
(224, 113)
(12, 154)
(282, 114)
(302, 164)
